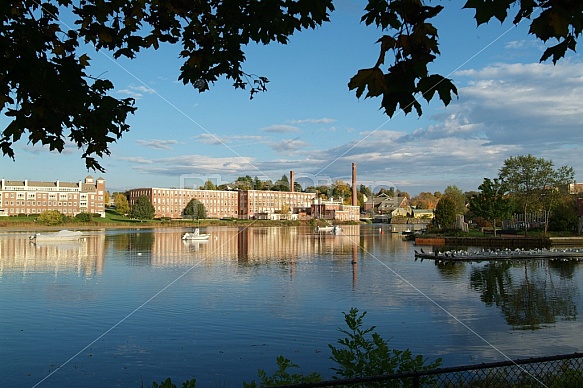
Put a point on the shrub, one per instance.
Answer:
(84, 217)
(50, 217)
(365, 353)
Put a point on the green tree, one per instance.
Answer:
(51, 217)
(565, 214)
(194, 209)
(341, 190)
(445, 212)
(492, 202)
(209, 185)
(244, 183)
(258, 184)
(365, 190)
(390, 192)
(459, 198)
(142, 209)
(41, 58)
(282, 184)
(122, 205)
(534, 183)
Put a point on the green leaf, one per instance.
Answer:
(373, 79)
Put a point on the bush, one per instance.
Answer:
(363, 353)
(84, 217)
(361, 356)
(51, 217)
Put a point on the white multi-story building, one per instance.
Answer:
(69, 198)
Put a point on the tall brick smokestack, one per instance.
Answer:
(354, 200)
(291, 181)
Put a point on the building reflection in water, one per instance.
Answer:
(85, 257)
(165, 248)
(251, 245)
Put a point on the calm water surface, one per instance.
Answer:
(129, 307)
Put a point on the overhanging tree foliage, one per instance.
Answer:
(48, 93)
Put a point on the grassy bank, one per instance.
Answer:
(114, 220)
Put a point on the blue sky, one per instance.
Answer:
(308, 121)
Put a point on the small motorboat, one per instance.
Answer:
(61, 235)
(195, 235)
(329, 228)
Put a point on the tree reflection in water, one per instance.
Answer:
(529, 301)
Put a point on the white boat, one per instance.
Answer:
(196, 235)
(324, 228)
(61, 235)
(329, 229)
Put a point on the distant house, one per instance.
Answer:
(424, 214)
(334, 210)
(576, 188)
(384, 204)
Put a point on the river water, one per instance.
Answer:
(127, 307)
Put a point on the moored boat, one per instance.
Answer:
(195, 235)
(61, 235)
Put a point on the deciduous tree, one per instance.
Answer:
(122, 205)
(143, 209)
(534, 183)
(492, 202)
(424, 200)
(209, 185)
(457, 196)
(195, 210)
(445, 212)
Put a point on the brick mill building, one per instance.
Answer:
(243, 204)
(69, 198)
(171, 202)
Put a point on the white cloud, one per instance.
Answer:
(158, 144)
(289, 146)
(136, 92)
(323, 120)
(232, 140)
(280, 129)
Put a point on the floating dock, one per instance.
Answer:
(489, 255)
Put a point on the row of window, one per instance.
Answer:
(45, 196)
(176, 202)
(39, 211)
(50, 203)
